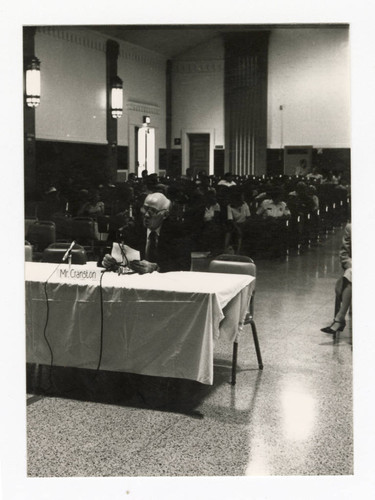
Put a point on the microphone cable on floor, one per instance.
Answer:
(45, 327)
(101, 318)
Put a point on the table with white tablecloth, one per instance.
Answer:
(154, 324)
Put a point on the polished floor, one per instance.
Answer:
(293, 418)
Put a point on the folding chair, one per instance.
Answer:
(239, 264)
(84, 232)
(63, 227)
(41, 234)
(29, 221)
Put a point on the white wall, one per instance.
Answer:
(198, 94)
(309, 75)
(144, 78)
(198, 98)
(73, 99)
(73, 88)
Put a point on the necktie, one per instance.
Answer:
(152, 247)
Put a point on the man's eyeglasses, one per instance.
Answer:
(150, 210)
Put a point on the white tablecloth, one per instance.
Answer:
(154, 324)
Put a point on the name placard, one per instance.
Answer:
(78, 273)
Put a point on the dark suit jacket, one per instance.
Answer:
(173, 250)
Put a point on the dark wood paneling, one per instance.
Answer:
(275, 161)
(86, 164)
(112, 52)
(175, 165)
(335, 159)
(123, 157)
(199, 157)
(219, 162)
(245, 102)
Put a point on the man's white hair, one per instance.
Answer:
(160, 200)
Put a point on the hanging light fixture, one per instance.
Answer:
(145, 123)
(116, 97)
(33, 83)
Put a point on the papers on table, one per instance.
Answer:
(124, 254)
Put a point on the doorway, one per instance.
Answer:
(145, 149)
(199, 153)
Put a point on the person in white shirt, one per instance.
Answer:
(273, 205)
(227, 181)
(238, 212)
(315, 175)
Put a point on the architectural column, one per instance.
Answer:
(29, 120)
(112, 52)
(245, 95)
(168, 122)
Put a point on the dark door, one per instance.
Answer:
(199, 152)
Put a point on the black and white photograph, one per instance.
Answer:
(186, 191)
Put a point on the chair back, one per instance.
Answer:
(83, 230)
(221, 266)
(28, 252)
(233, 264)
(55, 252)
(41, 234)
(233, 257)
(241, 265)
(103, 223)
(63, 226)
(29, 221)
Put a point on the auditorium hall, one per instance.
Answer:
(187, 207)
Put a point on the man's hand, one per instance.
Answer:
(143, 266)
(109, 262)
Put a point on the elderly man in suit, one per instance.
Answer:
(163, 246)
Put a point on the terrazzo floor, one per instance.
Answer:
(293, 418)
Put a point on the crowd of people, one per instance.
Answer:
(234, 214)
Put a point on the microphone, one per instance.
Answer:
(67, 253)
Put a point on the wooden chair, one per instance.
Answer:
(239, 264)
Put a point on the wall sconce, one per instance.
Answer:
(116, 97)
(33, 83)
(146, 120)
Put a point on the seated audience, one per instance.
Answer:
(314, 175)
(227, 181)
(311, 193)
(273, 205)
(212, 235)
(93, 206)
(50, 204)
(237, 213)
(299, 200)
(302, 169)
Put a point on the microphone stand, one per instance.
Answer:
(68, 254)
